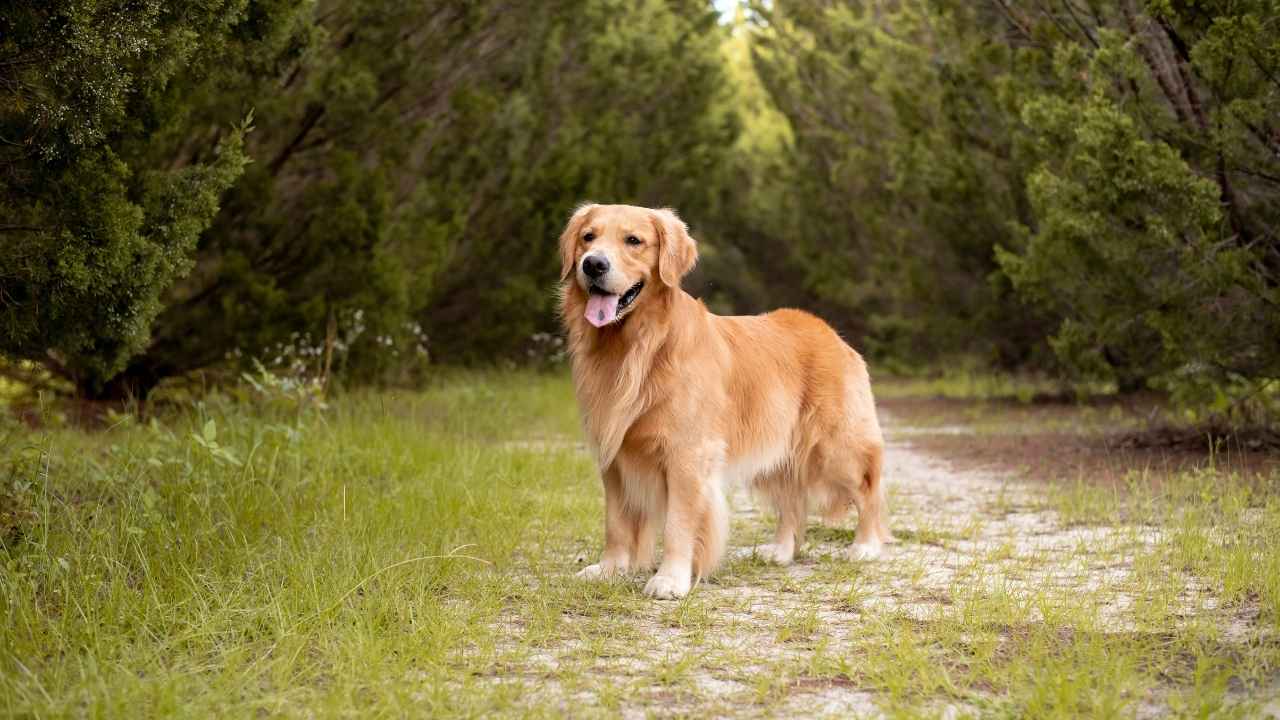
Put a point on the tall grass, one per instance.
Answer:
(263, 556)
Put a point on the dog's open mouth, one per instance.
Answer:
(604, 307)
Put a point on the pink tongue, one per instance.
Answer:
(601, 309)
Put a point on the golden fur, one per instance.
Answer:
(676, 401)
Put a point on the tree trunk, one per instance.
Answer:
(133, 384)
(1129, 379)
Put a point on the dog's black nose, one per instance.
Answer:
(595, 265)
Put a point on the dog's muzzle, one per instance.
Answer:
(604, 307)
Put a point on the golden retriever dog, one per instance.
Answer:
(677, 401)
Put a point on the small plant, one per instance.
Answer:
(546, 350)
(207, 438)
(292, 392)
(18, 481)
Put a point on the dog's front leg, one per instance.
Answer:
(694, 535)
(620, 527)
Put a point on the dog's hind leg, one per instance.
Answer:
(789, 501)
(868, 495)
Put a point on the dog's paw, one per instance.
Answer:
(666, 587)
(599, 571)
(772, 553)
(862, 551)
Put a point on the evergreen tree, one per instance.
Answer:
(1155, 233)
(415, 158)
(906, 172)
(93, 224)
(1097, 182)
(988, 175)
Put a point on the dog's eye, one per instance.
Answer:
(633, 240)
(589, 237)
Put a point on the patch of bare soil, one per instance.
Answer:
(1215, 439)
(1105, 441)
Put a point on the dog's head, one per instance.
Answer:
(618, 255)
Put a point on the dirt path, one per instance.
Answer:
(761, 640)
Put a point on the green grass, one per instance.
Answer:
(1216, 526)
(318, 561)
(968, 383)
(410, 554)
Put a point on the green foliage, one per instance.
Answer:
(403, 152)
(413, 159)
(906, 172)
(1155, 234)
(94, 229)
(983, 177)
(1086, 189)
(1115, 202)
(632, 111)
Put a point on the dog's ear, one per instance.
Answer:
(569, 238)
(678, 252)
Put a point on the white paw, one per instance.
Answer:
(666, 587)
(599, 571)
(863, 551)
(772, 552)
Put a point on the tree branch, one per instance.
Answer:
(309, 121)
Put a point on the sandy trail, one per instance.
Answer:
(743, 644)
